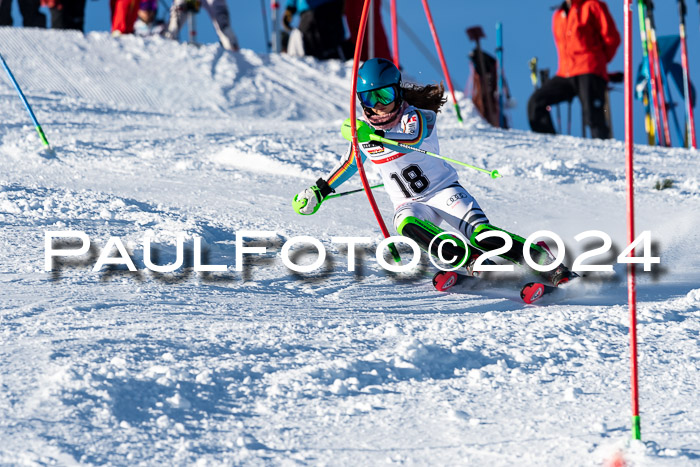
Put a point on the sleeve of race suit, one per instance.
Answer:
(345, 169)
(417, 125)
(608, 31)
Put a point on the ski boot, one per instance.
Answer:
(559, 275)
(472, 259)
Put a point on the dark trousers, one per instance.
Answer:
(70, 15)
(323, 31)
(31, 16)
(590, 89)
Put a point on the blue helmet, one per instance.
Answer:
(377, 73)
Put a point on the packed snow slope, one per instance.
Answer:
(267, 366)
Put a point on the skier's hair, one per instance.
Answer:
(429, 97)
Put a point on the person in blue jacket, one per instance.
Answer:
(321, 26)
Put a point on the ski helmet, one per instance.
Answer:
(377, 73)
(378, 80)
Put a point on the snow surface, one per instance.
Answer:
(267, 366)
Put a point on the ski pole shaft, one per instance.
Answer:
(345, 193)
(501, 97)
(26, 104)
(275, 6)
(268, 43)
(493, 173)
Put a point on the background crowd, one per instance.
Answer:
(326, 29)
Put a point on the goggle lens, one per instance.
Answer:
(384, 96)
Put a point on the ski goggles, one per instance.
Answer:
(384, 96)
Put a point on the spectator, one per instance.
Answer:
(586, 40)
(218, 11)
(353, 13)
(147, 24)
(31, 16)
(66, 14)
(124, 14)
(321, 26)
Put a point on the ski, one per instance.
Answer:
(448, 282)
(689, 138)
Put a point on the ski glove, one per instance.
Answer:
(308, 201)
(363, 131)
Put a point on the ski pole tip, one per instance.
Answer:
(495, 174)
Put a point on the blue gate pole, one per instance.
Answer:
(26, 104)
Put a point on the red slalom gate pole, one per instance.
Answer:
(394, 34)
(353, 118)
(689, 117)
(438, 47)
(629, 166)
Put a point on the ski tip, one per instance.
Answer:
(443, 280)
(532, 292)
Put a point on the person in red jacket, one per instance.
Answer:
(586, 40)
(124, 15)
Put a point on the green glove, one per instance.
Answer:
(308, 201)
(363, 131)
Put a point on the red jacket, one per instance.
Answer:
(586, 38)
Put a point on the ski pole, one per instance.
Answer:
(275, 6)
(501, 97)
(345, 193)
(267, 32)
(26, 104)
(374, 137)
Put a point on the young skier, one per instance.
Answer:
(424, 190)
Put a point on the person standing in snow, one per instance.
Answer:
(425, 190)
(147, 24)
(124, 15)
(321, 26)
(66, 14)
(218, 12)
(586, 40)
(31, 16)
